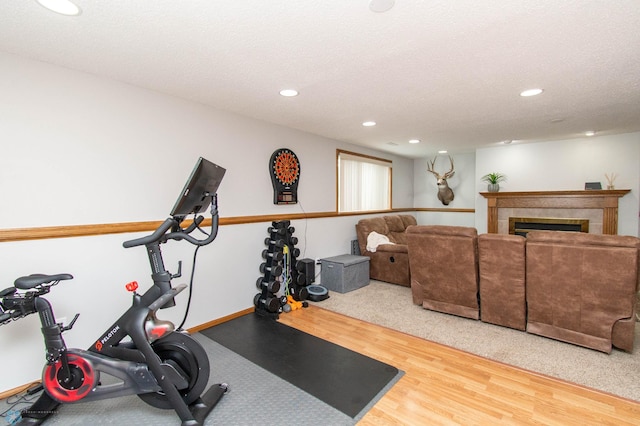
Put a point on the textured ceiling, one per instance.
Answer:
(446, 72)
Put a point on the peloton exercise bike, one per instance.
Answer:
(166, 368)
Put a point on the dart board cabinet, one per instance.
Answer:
(284, 168)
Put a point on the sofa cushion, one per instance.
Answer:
(408, 220)
(396, 229)
(397, 226)
(394, 223)
(376, 224)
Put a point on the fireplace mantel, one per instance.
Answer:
(606, 200)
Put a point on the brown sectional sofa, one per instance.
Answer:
(574, 287)
(390, 262)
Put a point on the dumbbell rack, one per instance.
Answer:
(280, 269)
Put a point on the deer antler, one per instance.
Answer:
(430, 165)
(450, 172)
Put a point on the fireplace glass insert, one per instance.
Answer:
(522, 225)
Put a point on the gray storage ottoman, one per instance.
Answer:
(344, 273)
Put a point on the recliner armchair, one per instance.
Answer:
(390, 262)
(443, 261)
(581, 288)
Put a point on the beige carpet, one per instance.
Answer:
(390, 305)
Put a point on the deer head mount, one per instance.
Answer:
(445, 194)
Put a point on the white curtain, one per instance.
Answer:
(364, 184)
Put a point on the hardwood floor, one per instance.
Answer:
(445, 386)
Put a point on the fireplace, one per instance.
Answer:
(522, 225)
(600, 207)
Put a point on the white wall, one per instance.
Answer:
(565, 165)
(77, 149)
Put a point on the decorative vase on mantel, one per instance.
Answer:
(610, 179)
(493, 187)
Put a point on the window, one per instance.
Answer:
(364, 182)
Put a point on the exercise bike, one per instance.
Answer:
(166, 368)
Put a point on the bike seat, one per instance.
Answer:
(34, 280)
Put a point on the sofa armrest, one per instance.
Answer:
(392, 248)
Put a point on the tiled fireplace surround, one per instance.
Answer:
(600, 207)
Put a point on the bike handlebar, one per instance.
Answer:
(184, 234)
(160, 234)
(156, 236)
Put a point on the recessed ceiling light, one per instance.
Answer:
(442, 151)
(380, 6)
(289, 93)
(369, 123)
(531, 92)
(589, 133)
(414, 141)
(64, 7)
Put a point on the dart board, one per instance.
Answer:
(285, 175)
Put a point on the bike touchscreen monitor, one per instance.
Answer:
(200, 188)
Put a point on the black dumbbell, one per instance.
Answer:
(274, 270)
(277, 243)
(270, 304)
(278, 231)
(272, 286)
(275, 255)
(299, 293)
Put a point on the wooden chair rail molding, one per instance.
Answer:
(606, 200)
(22, 234)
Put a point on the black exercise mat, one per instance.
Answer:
(342, 378)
